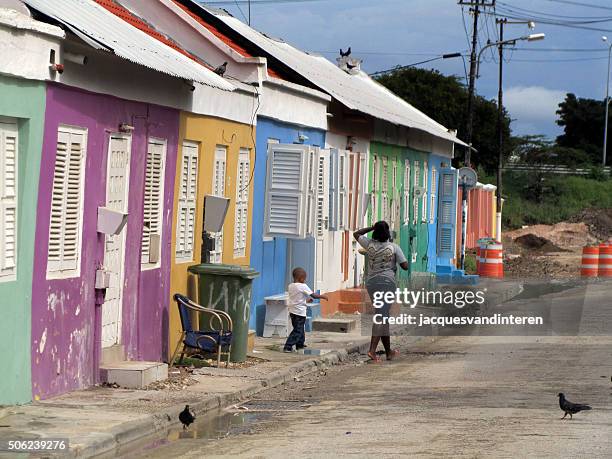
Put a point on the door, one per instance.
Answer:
(117, 189)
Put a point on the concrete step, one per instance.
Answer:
(353, 295)
(346, 307)
(133, 374)
(334, 325)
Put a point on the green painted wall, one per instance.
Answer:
(24, 100)
(418, 231)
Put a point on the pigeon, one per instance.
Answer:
(346, 53)
(221, 69)
(569, 407)
(350, 66)
(186, 417)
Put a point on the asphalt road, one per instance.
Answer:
(468, 396)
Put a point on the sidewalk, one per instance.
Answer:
(100, 419)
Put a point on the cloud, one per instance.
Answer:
(533, 109)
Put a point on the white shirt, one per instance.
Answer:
(298, 297)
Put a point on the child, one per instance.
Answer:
(299, 295)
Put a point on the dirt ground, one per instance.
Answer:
(554, 251)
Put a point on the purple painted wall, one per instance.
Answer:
(65, 317)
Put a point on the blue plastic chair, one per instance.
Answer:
(218, 339)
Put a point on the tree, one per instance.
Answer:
(444, 98)
(582, 121)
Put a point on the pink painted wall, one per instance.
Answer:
(480, 216)
(65, 317)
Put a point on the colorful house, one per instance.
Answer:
(22, 107)
(109, 148)
(363, 117)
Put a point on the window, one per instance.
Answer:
(394, 201)
(188, 194)
(415, 198)
(343, 179)
(153, 203)
(425, 188)
(243, 176)
(321, 198)
(290, 190)
(67, 203)
(432, 197)
(406, 192)
(8, 199)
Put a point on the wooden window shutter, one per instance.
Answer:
(218, 189)
(322, 197)
(425, 198)
(415, 199)
(188, 194)
(8, 199)
(343, 189)
(406, 192)
(153, 201)
(290, 190)
(333, 189)
(447, 208)
(433, 194)
(242, 201)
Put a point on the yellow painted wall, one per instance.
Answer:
(208, 132)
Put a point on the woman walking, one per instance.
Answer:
(382, 259)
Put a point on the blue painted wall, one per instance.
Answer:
(270, 257)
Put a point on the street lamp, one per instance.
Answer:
(605, 145)
(530, 37)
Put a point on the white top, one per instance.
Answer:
(298, 297)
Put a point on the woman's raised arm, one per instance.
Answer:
(362, 231)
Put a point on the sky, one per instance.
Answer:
(387, 33)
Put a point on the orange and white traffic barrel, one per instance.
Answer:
(491, 260)
(590, 261)
(605, 260)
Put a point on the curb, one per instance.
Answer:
(128, 432)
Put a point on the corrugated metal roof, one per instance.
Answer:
(104, 30)
(358, 91)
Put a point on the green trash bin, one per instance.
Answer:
(228, 288)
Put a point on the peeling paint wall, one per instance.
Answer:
(66, 322)
(24, 101)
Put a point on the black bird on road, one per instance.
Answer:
(186, 417)
(569, 407)
(221, 69)
(346, 53)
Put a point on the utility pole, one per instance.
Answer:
(249, 13)
(500, 128)
(475, 6)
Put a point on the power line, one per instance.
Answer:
(529, 11)
(553, 23)
(587, 5)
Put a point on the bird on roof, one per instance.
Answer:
(221, 69)
(569, 407)
(346, 53)
(186, 417)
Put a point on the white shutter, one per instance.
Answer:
(415, 199)
(67, 202)
(425, 198)
(393, 204)
(243, 175)
(406, 192)
(218, 189)
(153, 200)
(343, 189)
(333, 189)
(290, 190)
(8, 200)
(433, 194)
(188, 194)
(375, 188)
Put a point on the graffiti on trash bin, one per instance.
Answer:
(219, 298)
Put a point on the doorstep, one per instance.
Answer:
(133, 374)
